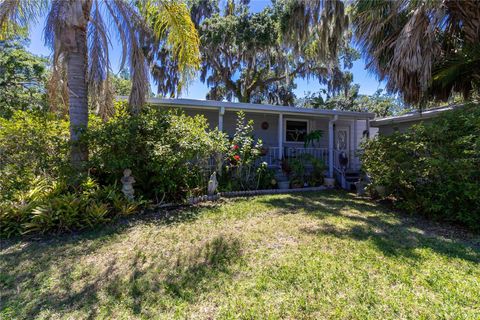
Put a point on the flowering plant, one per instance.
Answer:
(242, 155)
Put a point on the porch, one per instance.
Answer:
(283, 130)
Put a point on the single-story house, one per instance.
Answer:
(283, 129)
(389, 125)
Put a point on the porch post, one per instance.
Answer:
(355, 134)
(330, 145)
(368, 128)
(221, 112)
(355, 144)
(280, 136)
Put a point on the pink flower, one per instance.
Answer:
(236, 157)
(235, 147)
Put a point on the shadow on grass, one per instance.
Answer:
(142, 279)
(393, 233)
(29, 267)
(103, 232)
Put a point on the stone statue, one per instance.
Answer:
(212, 184)
(127, 181)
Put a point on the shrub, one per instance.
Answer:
(240, 170)
(53, 207)
(31, 145)
(432, 169)
(167, 151)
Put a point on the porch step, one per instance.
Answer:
(351, 177)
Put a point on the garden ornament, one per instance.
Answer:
(127, 182)
(212, 184)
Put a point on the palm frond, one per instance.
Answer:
(132, 29)
(16, 14)
(176, 46)
(99, 64)
(404, 41)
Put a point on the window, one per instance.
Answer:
(296, 130)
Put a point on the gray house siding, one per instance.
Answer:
(269, 136)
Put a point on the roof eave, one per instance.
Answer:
(253, 107)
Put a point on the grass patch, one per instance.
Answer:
(302, 256)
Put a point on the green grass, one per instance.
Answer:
(311, 256)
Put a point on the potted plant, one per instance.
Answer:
(362, 183)
(317, 175)
(297, 175)
(286, 167)
(296, 183)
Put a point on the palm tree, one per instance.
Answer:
(423, 48)
(79, 35)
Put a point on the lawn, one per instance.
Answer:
(302, 256)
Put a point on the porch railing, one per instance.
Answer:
(318, 153)
(272, 156)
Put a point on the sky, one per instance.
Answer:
(197, 90)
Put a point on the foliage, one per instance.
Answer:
(297, 173)
(174, 54)
(22, 78)
(166, 151)
(51, 207)
(80, 39)
(121, 83)
(255, 57)
(265, 177)
(317, 174)
(241, 158)
(312, 137)
(422, 49)
(305, 168)
(32, 144)
(380, 103)
(432, 169)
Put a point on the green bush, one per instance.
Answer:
(168, 152)
(31, 145)
(241, 170)
(432, 169)
(54, 207)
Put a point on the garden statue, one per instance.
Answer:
(212, 184)
(127, 181)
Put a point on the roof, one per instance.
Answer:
(413, 116)
(252, 107)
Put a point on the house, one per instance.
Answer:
(283, 129)
(389, 125)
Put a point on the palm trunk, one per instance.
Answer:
(77, 67)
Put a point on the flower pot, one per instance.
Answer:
(329, 182)
(297, 185)
(283, 185)
(360, 187)
(381, 190)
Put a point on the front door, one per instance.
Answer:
(342, 147)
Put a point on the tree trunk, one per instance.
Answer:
(75, 42)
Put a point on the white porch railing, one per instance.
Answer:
(272, 157)
(318, 153)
